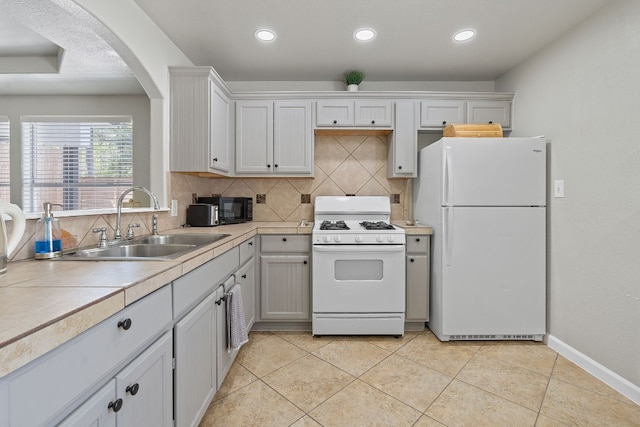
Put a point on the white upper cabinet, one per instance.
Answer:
(274, 138)
(371, 112)
(349, 113)
(402, 143)
(437, 113)
(200, 121)
(498, 112)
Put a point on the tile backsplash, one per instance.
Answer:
(353, 165)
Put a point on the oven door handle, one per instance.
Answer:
(359, 248)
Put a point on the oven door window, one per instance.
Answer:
(358, 269)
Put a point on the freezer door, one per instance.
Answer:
(493, 271)
(494, 171)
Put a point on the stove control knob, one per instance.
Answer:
(337, 238)
(391, 238)
(327, 238)
(359, 239)
(379, 238)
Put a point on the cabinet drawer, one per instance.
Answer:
(55, 382)
(285, 243)
(247, 250)
(418, 244)
(191, 288)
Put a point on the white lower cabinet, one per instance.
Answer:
(247, 278)
(224, 355)
(418, 264)
(94, 411)
(195, 373)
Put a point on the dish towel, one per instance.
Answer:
(237, 334)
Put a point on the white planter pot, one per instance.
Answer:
(352, 88)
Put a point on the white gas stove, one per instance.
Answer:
(358, 267)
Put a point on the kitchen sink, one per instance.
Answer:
(151, 248)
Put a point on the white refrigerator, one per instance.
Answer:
(486, 201)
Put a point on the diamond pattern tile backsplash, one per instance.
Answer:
(355, 164)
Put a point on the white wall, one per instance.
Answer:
(583, 93)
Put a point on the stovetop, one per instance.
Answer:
(333, 225)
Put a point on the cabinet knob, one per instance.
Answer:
(335, 122)
(411, 259)
(373, 122)
(268, 166)
(275, 166)
(304, 262)
(284, 239)
(417, 239)
(244, 276)
(399, 167)
(116, 405)
(444, 122)
(125, 324)
(215, 159)
(133, 389)
(490, 122)
(250, 243)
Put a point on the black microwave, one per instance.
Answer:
(231, 210)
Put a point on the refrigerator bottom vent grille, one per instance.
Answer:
(493, 337)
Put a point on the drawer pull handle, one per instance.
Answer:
(115, 405)
(133, 389)
(125, 324)
(244, 276)
(250, 243)
(284, 239)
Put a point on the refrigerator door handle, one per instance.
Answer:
(448, 236)
(448, 178)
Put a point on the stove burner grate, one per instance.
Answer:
(378, 225)
(333, 225)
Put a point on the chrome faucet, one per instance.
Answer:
(156, 206)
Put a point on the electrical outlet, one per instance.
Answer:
(174, 207)
(558, 188)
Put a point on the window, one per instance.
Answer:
(4, 160)
(81, 163)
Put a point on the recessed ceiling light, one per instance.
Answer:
(464, 35)
(265, 35)
(364, 34)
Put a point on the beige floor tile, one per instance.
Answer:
(254, 405)
(508, 381)
(304, 340)
(408, 381)
(426, 421)
(569, 372)
(393, 343)
(536, 357)
(306, 421)
(268, 354)
(237, 378)
(448, 358)
(576, 406)
(354, 357)
(308, 382)
(359, 404)
(544, 421)
(258, 335)
(465, 405)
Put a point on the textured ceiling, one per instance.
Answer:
(314, 40)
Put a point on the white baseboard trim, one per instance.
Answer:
(607, 376)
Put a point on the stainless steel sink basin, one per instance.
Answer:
(152, 248)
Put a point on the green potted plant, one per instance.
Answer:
(353, 79)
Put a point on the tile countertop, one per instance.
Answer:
(46, 303)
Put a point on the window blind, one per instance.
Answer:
(80, 163)
(4, 160)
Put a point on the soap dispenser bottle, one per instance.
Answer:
(48, 241)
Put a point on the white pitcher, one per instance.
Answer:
(8, 245)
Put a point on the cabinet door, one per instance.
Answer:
(146, 387)
(293, 137)
(219, 139)
(284, 287)
(439, 113)
(95, 412)
(224, 356)
(254, 137)
(373, 113)
(498, 112)
(246, 276)
(195, 372)
(417, 288)
(334, 112)
(402, 144)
